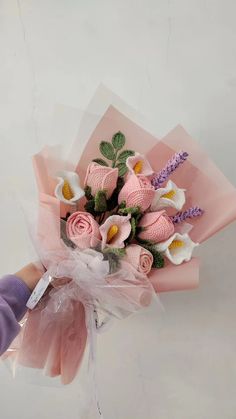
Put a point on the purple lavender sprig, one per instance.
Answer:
(189, 213)
(170, 167)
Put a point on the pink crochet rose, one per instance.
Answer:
(137, 191)
(83, 230)
(115, 231)
(140, 258)
(157, 226)
(101, 178)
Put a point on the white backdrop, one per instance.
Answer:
(174, 61)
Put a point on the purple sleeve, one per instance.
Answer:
(14, 294)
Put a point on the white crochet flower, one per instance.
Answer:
(178, 248)
(139, 165)
(170, 196)
(68, 189)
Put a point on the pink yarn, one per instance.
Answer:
(137, 191)
(157, 226)
(83, 230)
(140, 258)
(101, 178)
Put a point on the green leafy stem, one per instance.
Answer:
(112, 152)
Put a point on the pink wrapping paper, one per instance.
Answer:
(206, 187)
(57, 349)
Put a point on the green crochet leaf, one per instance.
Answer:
(138, 217)
(100, 201)
(122, 157)
(133, 230)
(87, 191)
(90, 206)
(122, 205)
(142, 242)
(118, 140)
(129, 210)
(107, 150)
(122, 169)
(115, 250)
(158, 260)
(101, 162)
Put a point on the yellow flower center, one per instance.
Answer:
(138, 167)
(175, 244)
(113, 230)
(169, 195)
(67, 191)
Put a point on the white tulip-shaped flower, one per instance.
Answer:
(68, 189)
(170, 196)
(178, 248)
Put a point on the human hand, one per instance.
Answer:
(31, 274)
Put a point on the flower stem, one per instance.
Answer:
(101, 218)
(114, 161)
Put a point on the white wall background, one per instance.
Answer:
(174, 61)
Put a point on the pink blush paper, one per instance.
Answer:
(206, 186)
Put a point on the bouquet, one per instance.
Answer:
(112, 231)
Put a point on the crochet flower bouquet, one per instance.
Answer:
(114, 229)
